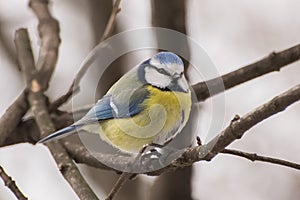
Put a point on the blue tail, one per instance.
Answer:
(59, 134)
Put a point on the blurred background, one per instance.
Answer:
(233, 33)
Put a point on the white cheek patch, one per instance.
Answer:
(153, 77)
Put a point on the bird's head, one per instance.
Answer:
(165, 70)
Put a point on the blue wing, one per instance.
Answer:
(106, 108)
(101, 111)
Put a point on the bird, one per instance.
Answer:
(150, 104)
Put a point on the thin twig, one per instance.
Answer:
(273, 62)
(254, 157)
(125, 175)
(11, 184)
(117, 186)
(63, 99)
(74, 87)
(111, 21)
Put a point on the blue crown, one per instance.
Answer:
(168, 58)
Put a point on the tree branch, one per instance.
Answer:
(49, 34)
(10, 183)
(235, 130)
(12, 117)
(37, 101)
(273, 62)
(18, 109)
(254, 157)
(81, 155)
(48, 28)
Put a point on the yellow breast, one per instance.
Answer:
(165, 113)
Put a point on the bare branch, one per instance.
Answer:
(27, 131)
(63, 99)
(11, 184)
(273, 62)
(48, 28)
(25, 55)
(111, 21)
(117, 186)
(239, 126)
(235, 130)
(254, 157)
(37, 101)
(49, 34)
(81, 155)
(18, 109)
(12, 117)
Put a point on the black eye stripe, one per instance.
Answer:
(162, 71)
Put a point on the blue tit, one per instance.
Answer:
(149, 104)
